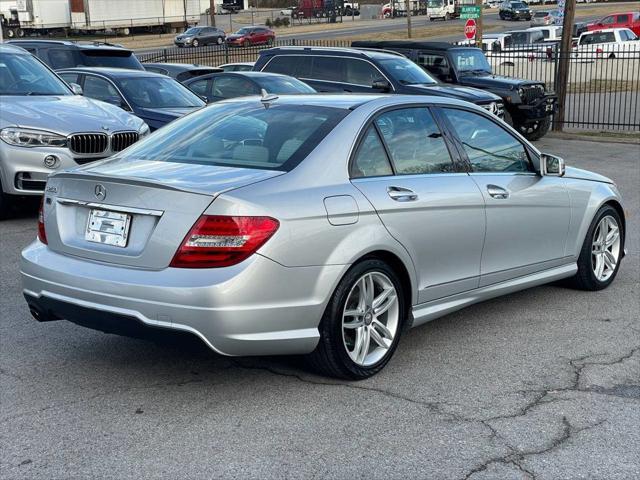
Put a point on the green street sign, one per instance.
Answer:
(470, 11)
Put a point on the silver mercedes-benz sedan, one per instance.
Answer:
(320, 225)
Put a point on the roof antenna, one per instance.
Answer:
(267, 98)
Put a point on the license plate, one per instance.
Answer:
(108, 228)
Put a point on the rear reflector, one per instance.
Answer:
(220, 241)
(42, 234)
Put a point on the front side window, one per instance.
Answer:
(24, 75)
(359, 72)
(100, 89)
(241, 135)
(371, 158)
(609, 20)
(415, 143)
(489, 147)
(405, 71)
(199, 87)
(232, 87)
(295, 65)
(470, 61)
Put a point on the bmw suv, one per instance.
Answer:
(44, 127)
(347, 70)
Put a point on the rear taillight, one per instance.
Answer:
(42, 234)
(599, 51)
(221, 241)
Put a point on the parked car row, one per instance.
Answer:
(160, 93)
(244, 37)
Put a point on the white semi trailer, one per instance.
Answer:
(123, 15)
(22, 17)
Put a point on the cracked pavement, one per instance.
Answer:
(541, 384)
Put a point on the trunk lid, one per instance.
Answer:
(151, 205)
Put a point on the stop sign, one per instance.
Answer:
(470, 29)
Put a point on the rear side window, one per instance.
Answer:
(231, 87)
(330, 69)
(623, 18)
(371, 158)
(61, 58)
(237, 135)
(294, 65)
(415, 143)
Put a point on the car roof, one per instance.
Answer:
(113, 72)
(403, 44)
(352, 101)
(605, 30)
(248, 74)
(235, 63)
(183, 67)
(7, 48)
(70, 43)
(339, 51)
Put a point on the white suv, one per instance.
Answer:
(45, 127)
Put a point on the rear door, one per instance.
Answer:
(528, 215)
(404, 166)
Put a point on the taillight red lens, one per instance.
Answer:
(42, 234)
(220, 241)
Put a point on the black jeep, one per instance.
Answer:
(529, 107)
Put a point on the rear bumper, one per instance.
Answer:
(258, 307)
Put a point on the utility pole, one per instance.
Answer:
(408, 7)
(212, 13)
(562, 78)
(479, 25)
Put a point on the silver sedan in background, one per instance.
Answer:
(321, 225)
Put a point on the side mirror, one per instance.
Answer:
(551, 165)
(381, 84)
(76, 89)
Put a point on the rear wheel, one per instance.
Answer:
(246, 43)
(447, 17)
(219, 40)
(601, 252)
(362, 324)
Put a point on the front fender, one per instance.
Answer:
(586, 198)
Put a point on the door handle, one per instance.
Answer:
(401, 194)
(497, 192)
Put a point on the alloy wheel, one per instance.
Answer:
(605, 248)
(370, 318)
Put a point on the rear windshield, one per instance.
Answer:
(241, 135)
(277, 84)
(110, 58)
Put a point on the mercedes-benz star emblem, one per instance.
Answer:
(100, 192)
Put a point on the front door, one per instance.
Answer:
(404, 167)
(528, 215)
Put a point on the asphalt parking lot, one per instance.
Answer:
(541, 384)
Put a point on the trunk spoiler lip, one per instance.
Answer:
(146, 182)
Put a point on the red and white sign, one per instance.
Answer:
(470, 29)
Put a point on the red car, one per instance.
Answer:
(247, 36)
(630, 20)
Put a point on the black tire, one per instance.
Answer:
(586, 279)
(330, 356)
(447, 17)
(612, 55)
(5, 206)
(534, 131)
(270, 41)
(219, 40)
(195, 43)
(246, 44)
